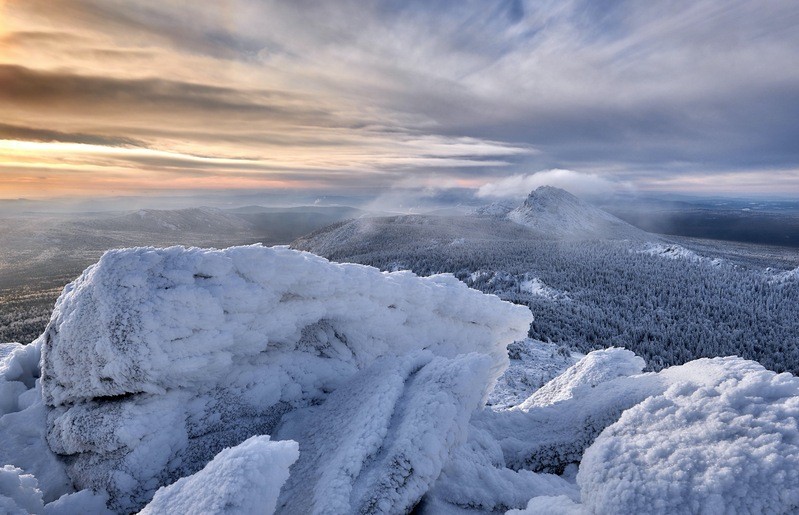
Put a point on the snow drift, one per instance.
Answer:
(157, 359)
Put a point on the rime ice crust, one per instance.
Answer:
(724, 438)
(147, 320)
(240, 480)
(157, 359)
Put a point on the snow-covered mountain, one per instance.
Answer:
(558, 213)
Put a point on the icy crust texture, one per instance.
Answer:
(240, 480)
(156, 360)
(723, 439)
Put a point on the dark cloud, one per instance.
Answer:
(16, 132)
(68, 91)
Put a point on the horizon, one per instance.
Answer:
(109, 99)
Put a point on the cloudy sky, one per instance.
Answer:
(109, 97)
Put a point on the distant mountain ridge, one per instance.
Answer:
(192, 220)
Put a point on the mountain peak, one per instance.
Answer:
(558, 213)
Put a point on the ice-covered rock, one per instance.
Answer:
(157, 359)
(595, 368)
(379, 441)
(240, 480)
(724, 438)
(549, 431)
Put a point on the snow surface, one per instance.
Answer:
(550, 505)
(156, 360)
(725, 441)
(23, 420)
(241, 480)
(674, 251)
(19, 492)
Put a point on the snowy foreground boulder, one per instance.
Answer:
(156, 360)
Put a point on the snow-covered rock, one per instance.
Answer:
(379, 441)
(557, 213)
(495, 209)
(785, 276)
(157, 359)
(240, 480)
(595, 368)
(549, 431)
(674, 251)
(723, 439)
(533, 363)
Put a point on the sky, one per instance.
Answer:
(112, 97)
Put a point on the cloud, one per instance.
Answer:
(392, 91)
(16, 132)
(584, 185)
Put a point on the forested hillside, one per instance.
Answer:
(669, 307)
